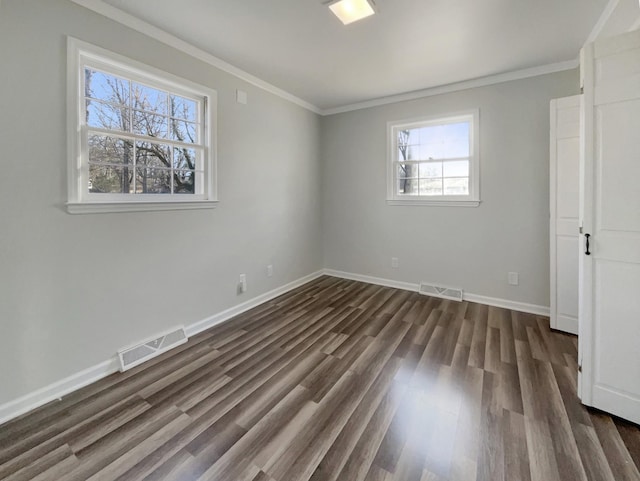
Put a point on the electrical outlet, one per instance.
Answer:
(395, 263)
(242, 285)
(269, 270)
(241, 97)
(512, 278)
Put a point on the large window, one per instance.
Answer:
(434, 161)
(140, 139)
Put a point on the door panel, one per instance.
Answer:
(618, 338)
(618, 130)
(610, 204)
(564, 206)
(567, 290)
(568, 182)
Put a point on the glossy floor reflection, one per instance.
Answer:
(337, 380)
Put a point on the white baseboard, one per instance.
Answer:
(491, 301)
(223, 316)
(566, 324)
(407, 286)
(508, 304)
(54, 391)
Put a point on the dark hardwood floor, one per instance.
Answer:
(337, 380)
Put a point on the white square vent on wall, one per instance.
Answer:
(143, 351)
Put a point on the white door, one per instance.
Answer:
(610, 210)
(564, 189)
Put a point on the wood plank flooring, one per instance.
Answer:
(337, 380)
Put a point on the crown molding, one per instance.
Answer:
(602, 21)
(619, 12)
(457, 86)
(117, 15)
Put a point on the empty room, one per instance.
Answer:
(320, 240)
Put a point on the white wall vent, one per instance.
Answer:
(143, 351)
(451, 293)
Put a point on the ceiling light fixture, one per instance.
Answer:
(349, 11)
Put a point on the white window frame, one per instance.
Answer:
(80, 201)
(471, 200)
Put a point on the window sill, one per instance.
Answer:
(111, 207)
(438, 203)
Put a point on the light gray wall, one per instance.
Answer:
(74, 289)
(472, 248)
(293, 187)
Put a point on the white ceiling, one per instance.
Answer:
(300, 47)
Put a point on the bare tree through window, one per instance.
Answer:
(406, 175)
(141, 139)
(432, 158)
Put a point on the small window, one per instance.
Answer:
(140, 139)
(434, 161)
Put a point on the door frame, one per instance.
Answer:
(585, 221)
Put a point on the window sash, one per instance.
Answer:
(144, 111)
(201, 149)
(121, 134)
(200, 172)
(81, 56)
(431, 161)
(201, 104)
(395, 128)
